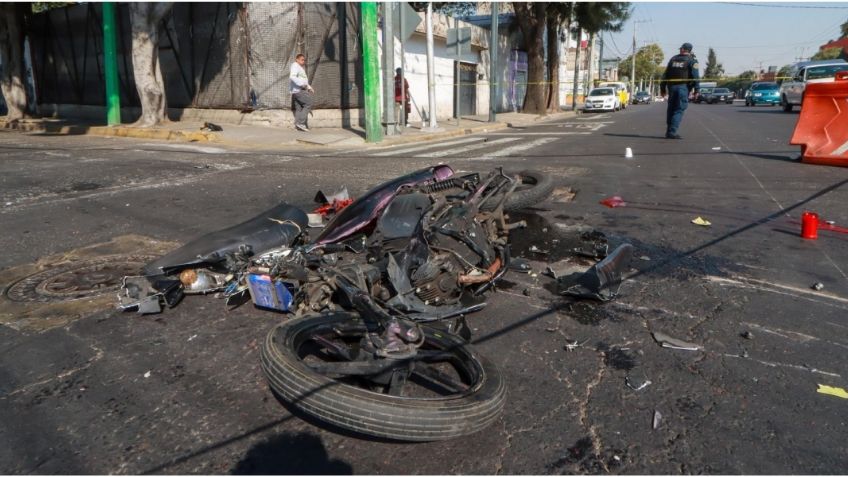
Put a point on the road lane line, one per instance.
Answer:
(426, 146)
(512, 149)
(568, 133)
(468, 148)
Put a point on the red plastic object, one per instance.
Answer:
(333, 208)
(613, 202)
(809, 225)
(822, 129)
(832, 228)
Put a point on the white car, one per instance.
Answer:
(792, 89)
(602, 99)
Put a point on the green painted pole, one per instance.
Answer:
(371, 73)
(110, 61)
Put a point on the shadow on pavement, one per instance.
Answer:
(290, 454)
(761, 155)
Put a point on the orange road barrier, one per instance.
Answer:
(822, 129)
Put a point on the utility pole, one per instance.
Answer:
(389, 67)
(577, 69)
(431, 68)
(601, 58)
(110, 61)
(371, 72)
(493, 64)
(633, 63)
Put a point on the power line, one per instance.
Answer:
(782, 6)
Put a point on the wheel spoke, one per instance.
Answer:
(351, 368)
(436, 380)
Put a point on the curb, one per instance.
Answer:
(113, 131)
(395, 140)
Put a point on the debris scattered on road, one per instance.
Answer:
(315, 220)
(747, 335)
(833, 391)
(574, 344)
(563, 194)
(207, 126)
(636, 388)
(716, 149)
(551, 330)
(613, 202)
(701, 221)
(147, 374)
(192, 337)
(667, 341)
(525, 292)
(536, 249)
(520, 265)
(645, 258)
(657, 419)
(602, 280)
(818, 286)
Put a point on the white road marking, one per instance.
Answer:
(541, 134)
(840, 150)
(426, 146)
(189, 147)
(468, 148)
(510, 150)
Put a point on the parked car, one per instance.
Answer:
(763, 93)
(642, 97)
(620, 89)
(602, 99)
(718, 95)
(702, 92)
(792, 90)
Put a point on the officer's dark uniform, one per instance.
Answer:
(680, 77)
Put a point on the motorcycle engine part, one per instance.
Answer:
(268, 293)
(435, 282)
(317, 364)
(200, 281)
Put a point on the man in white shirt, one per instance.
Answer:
(301, 93)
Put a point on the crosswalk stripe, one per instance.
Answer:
(426, 146)
(512, 149)
(565, 133)
(468, 148)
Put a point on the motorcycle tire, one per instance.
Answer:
(471, 397)
(535, 187)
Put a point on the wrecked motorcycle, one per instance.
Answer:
(379, 343)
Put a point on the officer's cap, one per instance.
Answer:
(686, 47)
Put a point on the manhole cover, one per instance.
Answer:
(76, 280)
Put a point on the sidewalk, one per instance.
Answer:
(270, 138)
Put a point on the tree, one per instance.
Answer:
(12, 17)
(783, 73)
(844, 29)
(145, 19)
(531, 18)
(455, 9)
(828, 54)
(740, 83)
(558, 14)
(648, 61)
(594, 17)
(713, 70)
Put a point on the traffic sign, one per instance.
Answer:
(409, 21)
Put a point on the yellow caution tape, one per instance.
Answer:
(700, 221)
(833, 391)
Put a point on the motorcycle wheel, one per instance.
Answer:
(451, 391)
(534, 187)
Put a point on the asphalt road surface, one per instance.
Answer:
(88, 389)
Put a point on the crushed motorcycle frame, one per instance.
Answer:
(378, 343)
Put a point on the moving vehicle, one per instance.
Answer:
(643, 97)
(620, 89)
(602, 99)
(702, 93)
(763, 93)
(378, 344)
(792, 90)
(717, 95)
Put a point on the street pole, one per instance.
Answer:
(601, 59)
(431, 69)
(493, 65)
(371, 72)
(633, 62)
(577, 70)
(389, 67)
(403, 115)
(456, 75)
(110, 62)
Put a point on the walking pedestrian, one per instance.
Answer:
(401, 96)
(301, 93)
(680, 78)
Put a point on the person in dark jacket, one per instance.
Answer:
(680, 78)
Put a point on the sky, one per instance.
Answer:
(745, 35)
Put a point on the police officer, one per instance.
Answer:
(680, 77)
